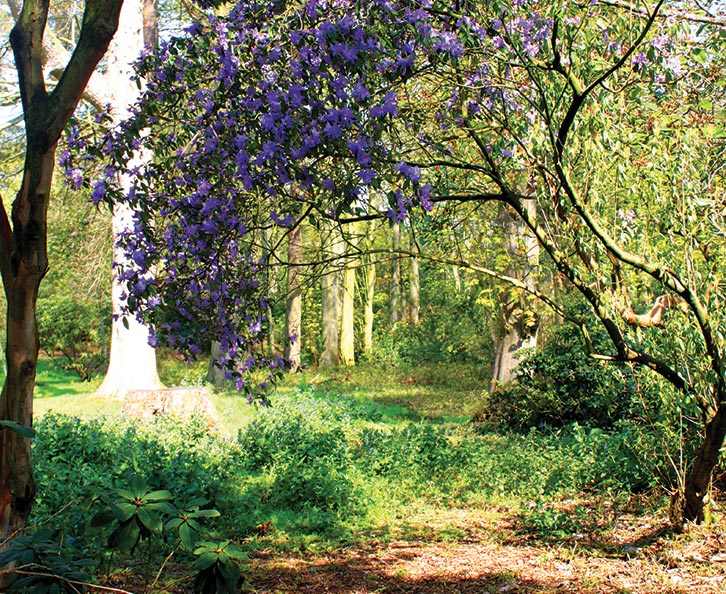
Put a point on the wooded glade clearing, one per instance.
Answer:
(523, 198)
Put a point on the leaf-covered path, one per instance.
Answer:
(487, 551)
(637, 555)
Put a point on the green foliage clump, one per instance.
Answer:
(71, 327)
(303, 451)
(560, 384)
(47, 566)
(78, 459)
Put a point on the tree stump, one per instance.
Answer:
(178, 402)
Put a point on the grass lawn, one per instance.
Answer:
(437, 393)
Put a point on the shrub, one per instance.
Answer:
(559, 384)
(77, 459)
(71, 326)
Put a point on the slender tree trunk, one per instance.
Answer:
(330, 299)
(370, 290)
(347, 322)
(215, 374)
(518, 325)
(698, 479)
(457, 278)
(130, 348)
(23, 247)
(293, 302)
(414, 290)
(150, 14)
(395, 315)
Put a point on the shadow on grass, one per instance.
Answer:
(401, 570)
(53, 381)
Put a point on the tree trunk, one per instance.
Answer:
(518, 325)
(17, 487)
(395, 315)
(370, 291)
(414, 289)
(698, 479)
(150, 12)
(215, 374)
(293, 302)
(347, 322)
(130, 348)
(23, 247)
(330, 299)
(457, 278)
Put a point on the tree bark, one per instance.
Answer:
(23, 247)
(347, 313)
(215, 374)
(698, 479)
(370, 291)
(330, 299)
(395, 315)
(293, 301)
(130, 348)
(517, 327)
(414, 291)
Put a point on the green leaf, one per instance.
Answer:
(205, 560)
(162, 495)
(162, 506)
(125, 494)
(205, 513)
(28, 432)
(150, 520)
(173, 524)
(127, 536)
(138, 486)
(236, 552)
(105, 516)
(123, 511)
(188, 536)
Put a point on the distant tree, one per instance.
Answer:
(293, 300)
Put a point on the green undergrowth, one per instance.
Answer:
(339, 457)
(318, 468)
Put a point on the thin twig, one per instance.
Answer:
(158, 575)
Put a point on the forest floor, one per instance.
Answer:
(478, 551)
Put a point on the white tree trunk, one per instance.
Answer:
(132, 362)
(519, 323)
(370, 290)
(414, 290)
(395, 315)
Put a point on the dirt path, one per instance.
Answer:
(405, 567)
(481, 551)
(636, 555)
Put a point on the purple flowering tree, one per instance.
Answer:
(278, 112)
(23, 235)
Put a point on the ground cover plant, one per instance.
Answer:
(352, 474)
